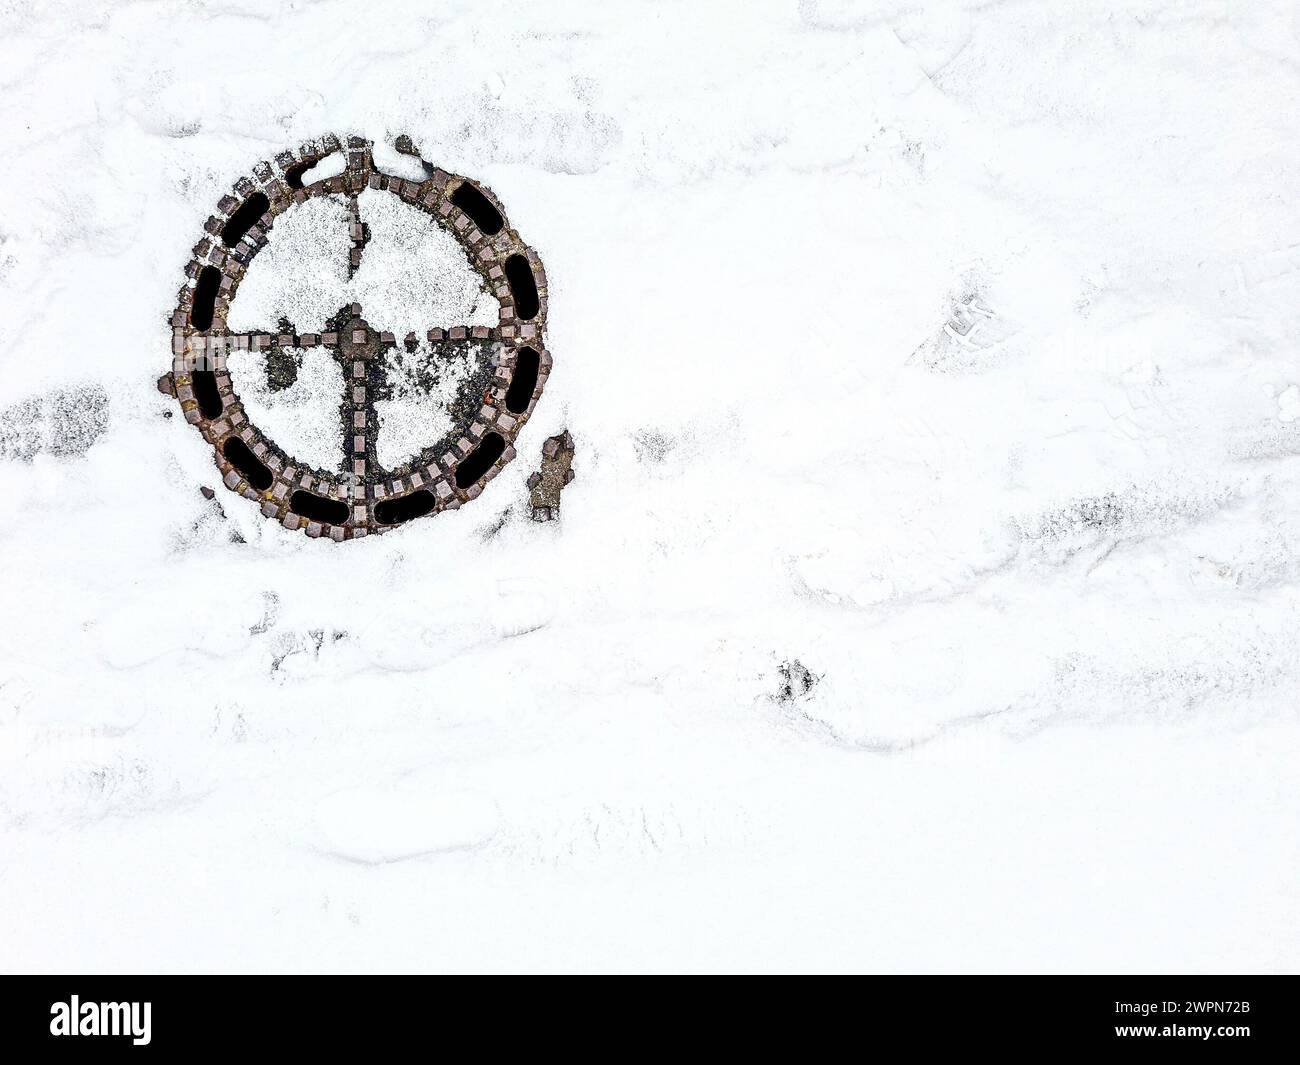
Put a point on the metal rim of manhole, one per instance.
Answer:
(362, 497)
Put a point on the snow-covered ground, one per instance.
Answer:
(929, 594)
(419, 414)
(302, 418)
(414, 275)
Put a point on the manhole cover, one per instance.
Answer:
(359, 348)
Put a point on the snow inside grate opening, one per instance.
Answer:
(388, 160)
(313, 170)
(293, 175)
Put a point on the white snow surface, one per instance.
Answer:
(327, 166)
(303, 419)
(416, 417)
(388, 160)
(414, 275)
(302, 272)
(1045, 579)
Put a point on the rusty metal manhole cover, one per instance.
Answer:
(407, 347)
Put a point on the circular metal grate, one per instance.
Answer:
(497, 389)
